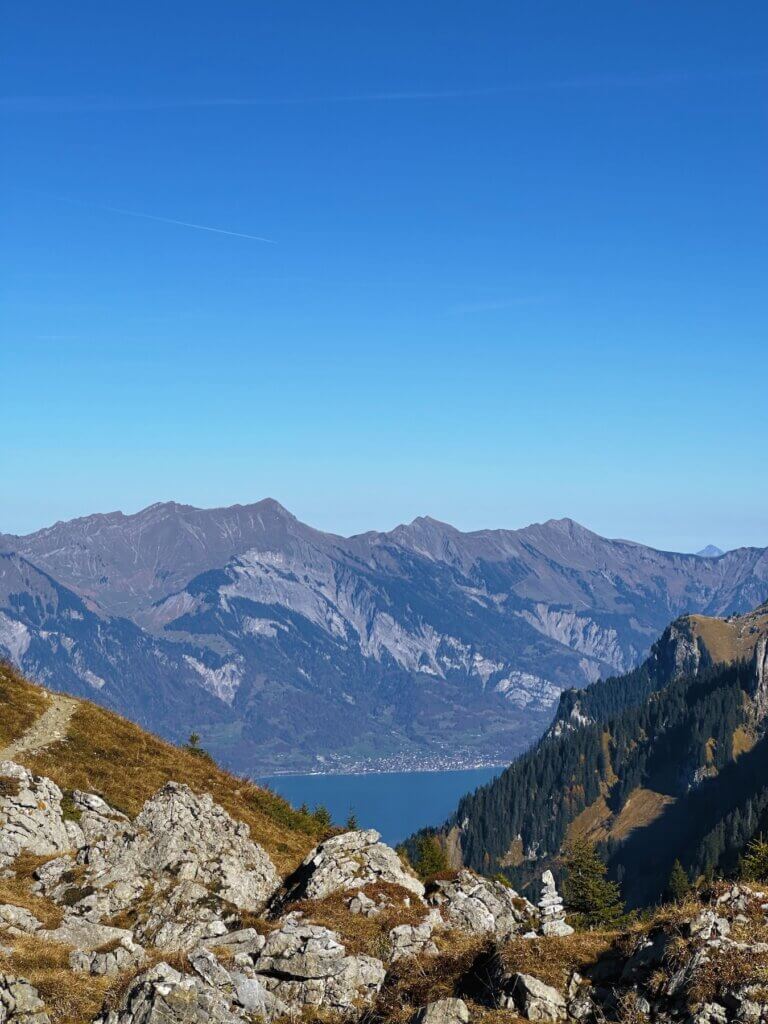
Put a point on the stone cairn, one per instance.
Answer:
(551, 908)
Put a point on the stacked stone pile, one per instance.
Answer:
(551, 908)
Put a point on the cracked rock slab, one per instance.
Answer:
(30, 815)
(306, 965)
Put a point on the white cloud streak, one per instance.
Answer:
(107, 104)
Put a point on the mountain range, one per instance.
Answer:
(290, 649)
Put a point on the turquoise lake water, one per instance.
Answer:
(395, 803)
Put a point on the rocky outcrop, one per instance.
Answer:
(190, 838)
(198, 862)
(17, 920)
(478, 906)
(20, 1002)
(305, 965)
(348, 861)
(165, 996)
(31, 815)
(551, 908)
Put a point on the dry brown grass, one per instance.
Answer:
(106, 754)
(727, 968)
(554, 959)
(362, 934)
(70, 997)
(20, 704)
(17, 890)
(597, 823)
(593, 823)
(641, 808)
(416, 981)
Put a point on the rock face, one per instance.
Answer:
(30, 811)
(348, 861)
(20, 1002)
(192, 839)
(123, 955)
(305, 965)
(300, 967)
(478, 906)
(17, 920)
(551, 908)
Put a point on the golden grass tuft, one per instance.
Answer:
(413, 982)
(17, 890)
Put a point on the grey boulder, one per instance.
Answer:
(348, 861)
(533, 999)
(443, 1011)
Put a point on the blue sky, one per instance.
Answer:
(515, 268)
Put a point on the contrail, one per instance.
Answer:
(162, 220)
(184, 223)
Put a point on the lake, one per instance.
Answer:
(395, 803)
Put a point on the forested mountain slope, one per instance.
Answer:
(669, 761)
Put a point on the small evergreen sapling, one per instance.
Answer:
(586, 890)
(679, 884)
(754, 863)
(430, 856)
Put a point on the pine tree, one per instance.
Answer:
(352, 825)
(322, 816)
(587, 892)
(754, 863)
(430, 856)
(679, 884)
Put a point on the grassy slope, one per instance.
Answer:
(729, 640)
(105, 754)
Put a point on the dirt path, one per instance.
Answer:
(50, 727)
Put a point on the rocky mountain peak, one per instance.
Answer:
(710, 551)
